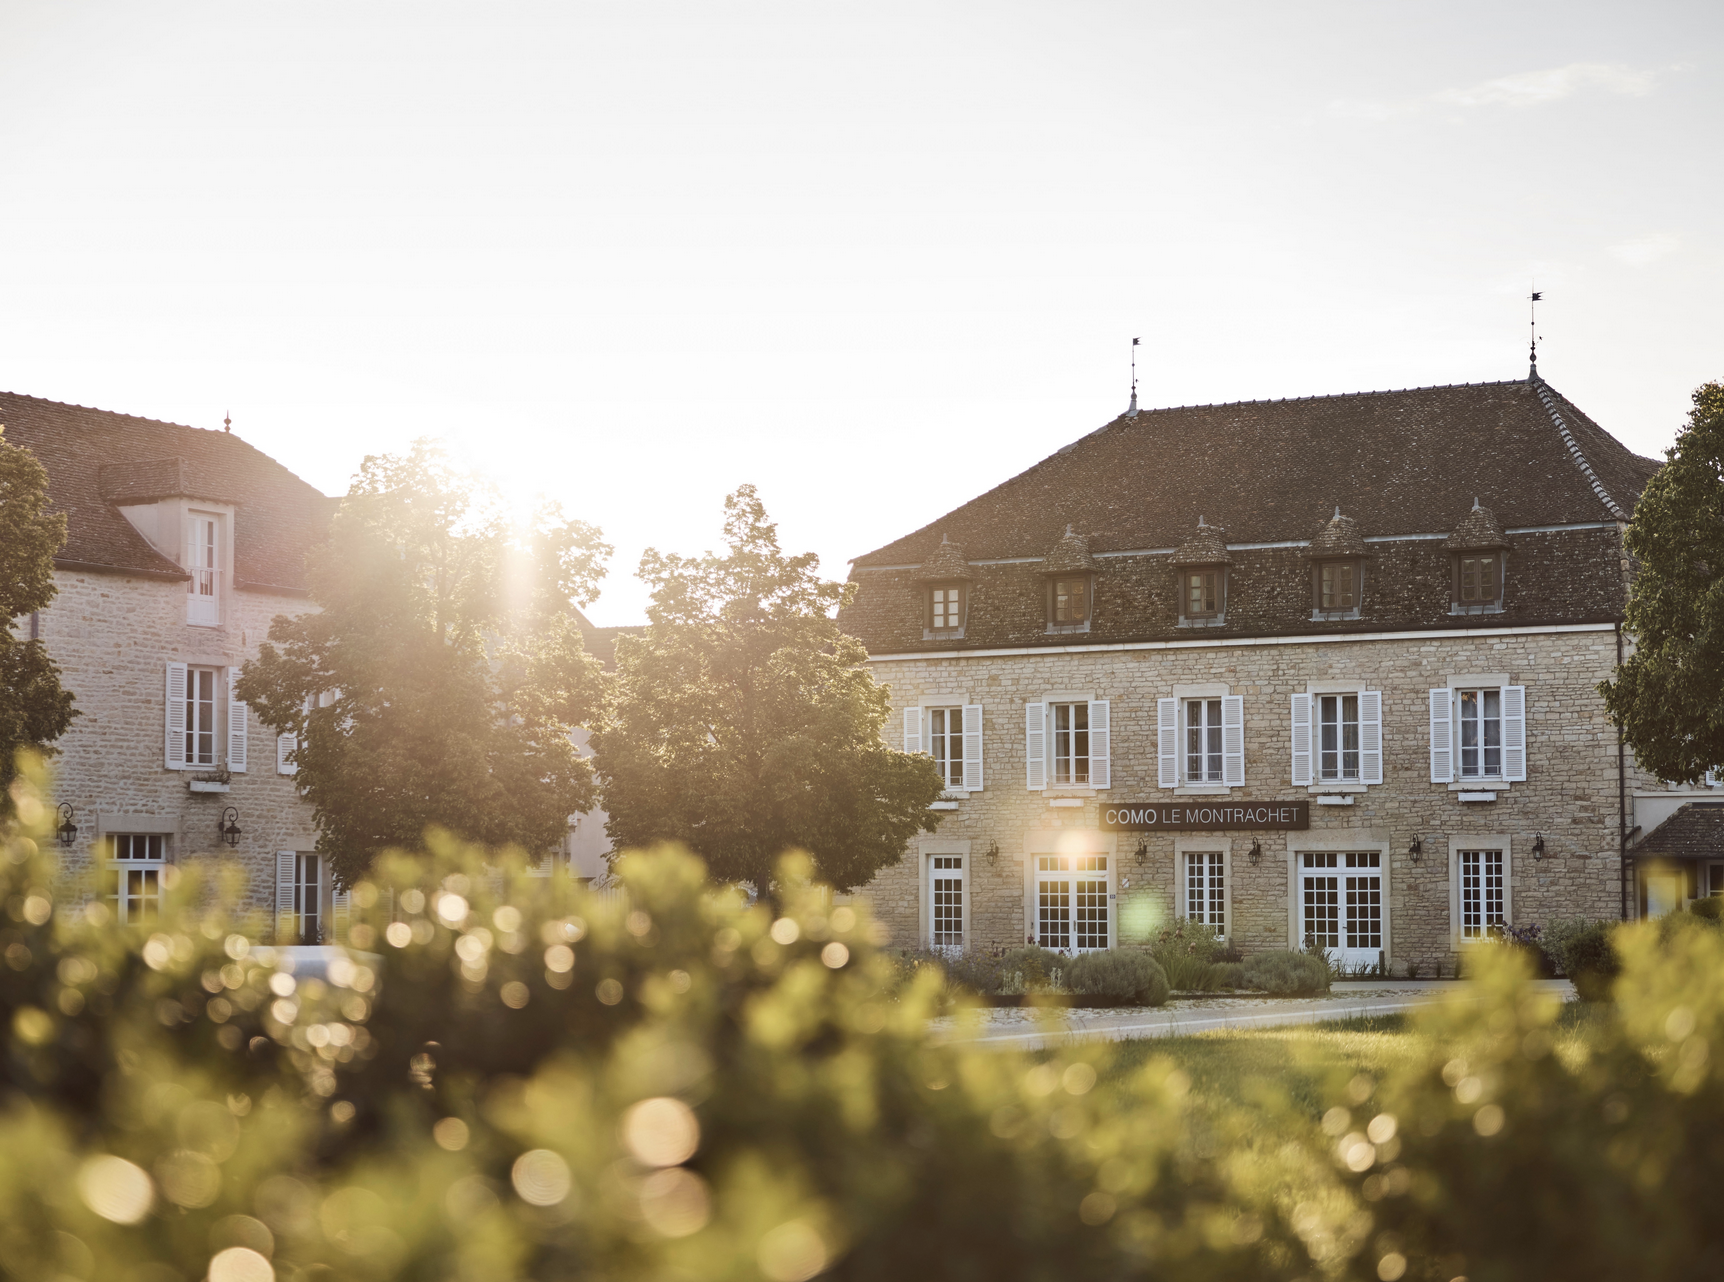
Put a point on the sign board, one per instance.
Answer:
(1205, 816)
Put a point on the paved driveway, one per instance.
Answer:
(1021, 1029)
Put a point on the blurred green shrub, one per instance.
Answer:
(1286, 974)
(1118, 974)
(1589, 959)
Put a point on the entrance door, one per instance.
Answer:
(1662, 893)
(1341, 905)
(1071, 902)
(946, 899)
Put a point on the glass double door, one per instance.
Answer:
(1341, 905)
(1071, 902)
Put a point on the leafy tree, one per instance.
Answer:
(1668, 696)
(743, 724)
(34, 709)
(438, 682)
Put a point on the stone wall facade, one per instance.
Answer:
(113, 636)
(1570, 794)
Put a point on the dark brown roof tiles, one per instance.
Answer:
(1208, 546)
(1696, 831)
(1477, 532)
(946, 564)
(1339, 538)
(1069, 556)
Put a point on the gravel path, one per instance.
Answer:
(1018, 1028)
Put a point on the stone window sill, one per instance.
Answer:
(1202, 790)
(1480, 785)
(942, 634)
(1212, 621)
(1337, 787)
(1494, 608)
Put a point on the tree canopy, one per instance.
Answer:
(1668, 696)
(35, 709)
(438, 682)
(743, 724)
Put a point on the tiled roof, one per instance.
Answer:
(1406, 462)
(1069, 556)
(97, 459)
(1477, 532)
(1339, 537)
(1696, 831)
(1404, 467)
(948, 562)
(1208, 546)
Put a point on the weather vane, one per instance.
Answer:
(1131, 412)
(1532, 327)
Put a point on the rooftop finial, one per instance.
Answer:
(1200, 520)
(1131, 411)
(227, 423)
(1532, 328)
(1475, 503)
(1337, 515)
(1068, 531)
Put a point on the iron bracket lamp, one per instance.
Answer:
(1256, 855)
(68, 830)
(1142, 852)
(1538, 845)
(1416, 849)
(993, 853)
(228, 828)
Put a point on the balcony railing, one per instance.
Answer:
(203, 598)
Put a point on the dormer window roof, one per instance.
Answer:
(944, 580)
(1200, 574)
(1339, 539)
(1337, 556)
(1069, 573)
(1070, 556)
(1208, 546)
(1478, 562)
(1477, 532)
(946, 565)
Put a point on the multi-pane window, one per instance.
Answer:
(1337, 737)
(308, 898)
(1205, 889)
(1202, 593)
(1481, 873)
(948, 897)
(1342, 903)
(1203, 740)
(946, 608)
(203, 560)
(1071, 743)
(200, 716)
(1479, 581)
(1481, 725)
(1071, 902)
(946, 744)
(1338, 586)
(138, 859)
(1071, 601)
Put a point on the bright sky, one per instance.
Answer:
(873, 257)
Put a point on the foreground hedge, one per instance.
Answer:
(531, 1082)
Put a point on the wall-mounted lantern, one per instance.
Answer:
(993, 853)
(228, 828)
(1538, 845)
(1142, 852)
(1416, 850)
(67, 831)
(1256, 855)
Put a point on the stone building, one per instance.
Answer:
(1301, 669)
(182, 544)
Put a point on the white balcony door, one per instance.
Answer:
(203, 593)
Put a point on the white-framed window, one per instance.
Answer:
(1202, 594)
(1072, 902)
(952, 735)
(1067, 744)
(193, 697)
(1338, 738)
(1478, 733)
(203, 562)
(1206, 888)
(136, 861)
(200, 716)
(1070, 602)
(946, 608)
(1483, 875)
(1341, 904)
(308, 908)
(1201, 741)
(946, 901)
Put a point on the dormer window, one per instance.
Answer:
(1337, 557)
(944, 583)
(946, 608)
(203, 562)
(1069, 573)
(1478, 556)
(1200, 573)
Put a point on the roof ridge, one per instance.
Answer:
(1315, 396)
(1574, 451)
(97, 409)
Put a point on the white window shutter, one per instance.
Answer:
(1233, 740)
(1514, 733)
(1100, 764)
(286, 865)
(1167, 742)
(284, 746)
(236, 728)
(341, 906)
(1370, 736)
(1442, 736)
(176, 717)
(972, 747)
(1301, 741)
(1035, 752)
(912, 730)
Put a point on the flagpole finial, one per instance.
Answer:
(1131, 410)
(1532, 326)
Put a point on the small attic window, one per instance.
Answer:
(1069, 574)
(1202, 593)
(1200, 577)
(1069, 601)
(1337, 556)
(1338, 586)
(944, 584)
(1478, 560)
(946, 603)
(1480, 579)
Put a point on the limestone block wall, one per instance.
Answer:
(1570, 795)
(113, 636)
